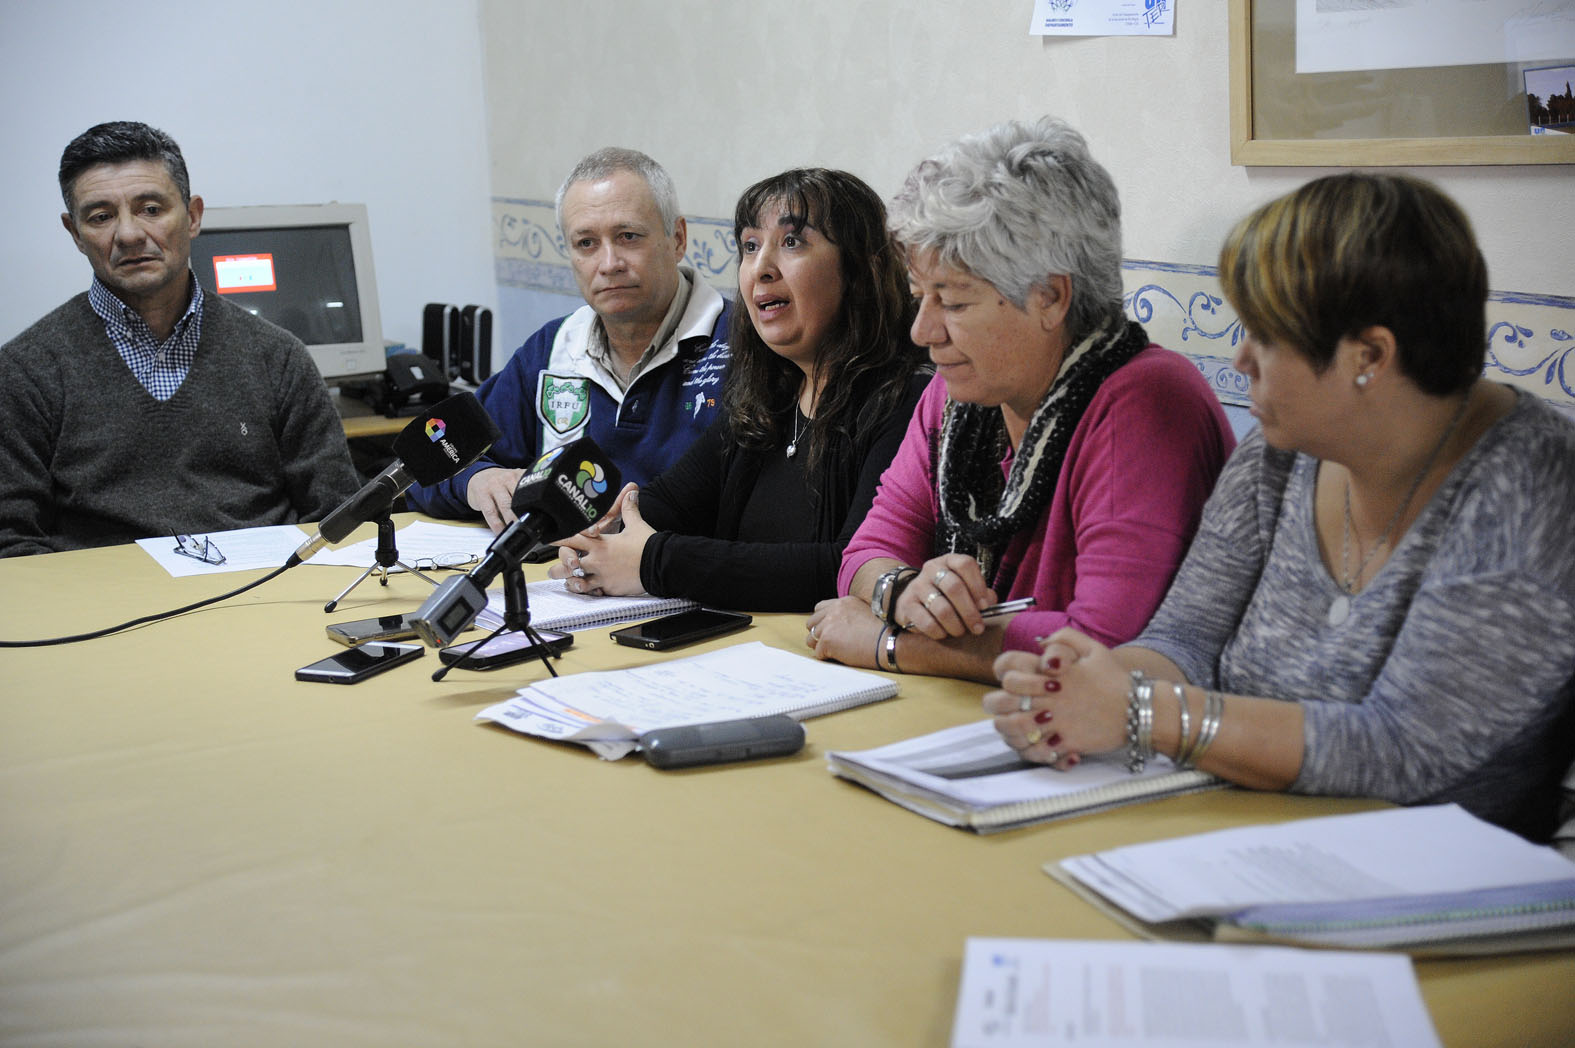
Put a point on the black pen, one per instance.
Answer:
(1007, 607)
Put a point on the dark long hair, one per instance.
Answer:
(868, 358)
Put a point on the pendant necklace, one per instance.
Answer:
(792, 448)
(1340, 609)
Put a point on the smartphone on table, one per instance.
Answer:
(354, 665)
(680, 628)
(505, 649)
(359, 631)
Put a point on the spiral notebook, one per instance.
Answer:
(967, 776)
(608, 709)
(554, 608)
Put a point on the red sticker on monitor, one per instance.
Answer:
(233, 274)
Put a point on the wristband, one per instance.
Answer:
(888, 585)
(899, 584)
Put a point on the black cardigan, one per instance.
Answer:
(696, 506)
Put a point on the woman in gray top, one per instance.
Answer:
(1381, 597)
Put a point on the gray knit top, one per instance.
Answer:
(89, 457)
(1453, 678)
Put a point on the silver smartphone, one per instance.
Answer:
(360, 631)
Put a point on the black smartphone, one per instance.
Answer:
(359, 631)
(721, 741)
(680, 628)
(505, 649)
(542, 553)
(357, 664)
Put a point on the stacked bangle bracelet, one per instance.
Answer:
(1188, 754)
(1183, 746)
(1213, 713)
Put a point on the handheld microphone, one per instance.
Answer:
(436, 444)
(566, 491)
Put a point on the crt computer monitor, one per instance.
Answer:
(307, 268)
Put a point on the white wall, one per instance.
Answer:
(367, 101)
(726, 93)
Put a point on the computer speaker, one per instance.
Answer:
(475, 344)
(440, 336)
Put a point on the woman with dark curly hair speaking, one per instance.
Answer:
(822, 382)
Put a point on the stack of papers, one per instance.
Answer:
(968, 776)
(608, 710)
(1429, 880)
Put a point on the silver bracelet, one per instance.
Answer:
(1183, 750)
(891, 647)
(1140, 722)
(1213, 713)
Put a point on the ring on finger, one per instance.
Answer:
(1052, 757)
(1033, 737)
(940, 576)
(1025, 704)
(812, 635)
(931, 598)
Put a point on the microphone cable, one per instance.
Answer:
(155, 617)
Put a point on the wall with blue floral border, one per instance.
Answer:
(1531, 338)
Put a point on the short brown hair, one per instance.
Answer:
(1350, 251)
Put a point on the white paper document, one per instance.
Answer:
(607, 709)
(418, 539)
(244, 549)
(1029, 993)
(1103, 18)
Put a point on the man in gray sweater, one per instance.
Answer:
(143, 406)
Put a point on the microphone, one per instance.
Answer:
(437, 444)
(566, 491)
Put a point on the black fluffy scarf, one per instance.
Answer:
(979, 511)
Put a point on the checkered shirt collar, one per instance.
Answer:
(159, 367)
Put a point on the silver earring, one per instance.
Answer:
(1362, 380)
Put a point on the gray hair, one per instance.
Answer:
(119, 142)
(604, 163)
(1015, 205)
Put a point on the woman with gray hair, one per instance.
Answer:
(1057, 455)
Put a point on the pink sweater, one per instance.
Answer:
(1141, 463)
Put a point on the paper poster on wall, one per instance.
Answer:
(1103, 18)
(1335, 36)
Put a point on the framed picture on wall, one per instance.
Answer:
(1352, 114)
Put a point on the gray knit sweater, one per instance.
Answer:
(1453, 679)
(89, 458)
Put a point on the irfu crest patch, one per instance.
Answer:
(563, 401)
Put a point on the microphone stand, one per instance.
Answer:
(516, 619)
(387, 556)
